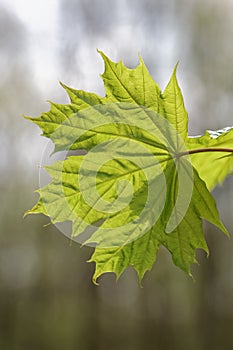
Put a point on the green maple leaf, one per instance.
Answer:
(133, 187)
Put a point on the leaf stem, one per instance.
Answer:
(207, 149)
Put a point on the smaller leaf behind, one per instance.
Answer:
(213, 167)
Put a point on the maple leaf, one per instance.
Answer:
(136, 187)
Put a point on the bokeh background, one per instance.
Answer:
(47, 299)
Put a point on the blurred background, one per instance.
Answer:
(47, 299)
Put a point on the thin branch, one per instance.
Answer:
(202, 150)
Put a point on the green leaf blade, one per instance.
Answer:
(132, 139)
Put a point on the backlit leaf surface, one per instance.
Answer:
(133, 138)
